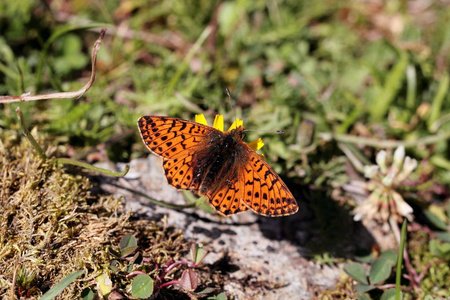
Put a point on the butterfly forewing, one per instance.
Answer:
(175, 140)
(171, 137)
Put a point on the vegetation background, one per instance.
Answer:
(343, 79)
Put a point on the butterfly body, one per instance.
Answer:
(217, 165)
(219, 160)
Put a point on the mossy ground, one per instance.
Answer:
(51, 225)
(436, 279)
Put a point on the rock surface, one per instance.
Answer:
(262, 258)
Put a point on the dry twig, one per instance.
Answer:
(65, 95)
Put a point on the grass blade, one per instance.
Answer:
(398, 275)
(393, 83)
(56, 289)
(438, 100)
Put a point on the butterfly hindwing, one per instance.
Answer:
(228, 199)
(264, 192)
(180, 173)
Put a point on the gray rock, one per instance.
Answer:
(262, 258)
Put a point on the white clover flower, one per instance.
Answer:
(384, 201)
(388, 179)
(381, 161)
(370, 171)
(403, 208)
(399, 156)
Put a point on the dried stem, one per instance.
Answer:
(170, 283)
(427, 266)
(182, 262)
(27, 97)
(392, 285)
(13, 284)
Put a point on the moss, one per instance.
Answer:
(435, 281)
(345, 289)
(51, 225)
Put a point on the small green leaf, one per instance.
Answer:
(104, 284)
(390, 295)
(443, 236)
(363, 287)
(206, 291)
(114, 266)
(127, 241)
(87, 294)
(435, 220)
(128, 245)
(391, 255)
(380, 270)
(365, 258)
(142, 286)
(60, 286)
(357, 272)
(72, 56)
(198, 253)
(363, 297)
(130, 268)
(438, 249)
(221, 296)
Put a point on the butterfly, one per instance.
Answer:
(217, 164)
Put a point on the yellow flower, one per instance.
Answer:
(218, 124)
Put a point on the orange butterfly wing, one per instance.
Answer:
(263, 190)
(257, 186)
(228, 199)
(175, 140)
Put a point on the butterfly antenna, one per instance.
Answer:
(266, 131)
(231, 103)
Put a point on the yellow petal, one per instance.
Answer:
(236, 124)
(256, 144)
(218, 122)
(200, 119)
